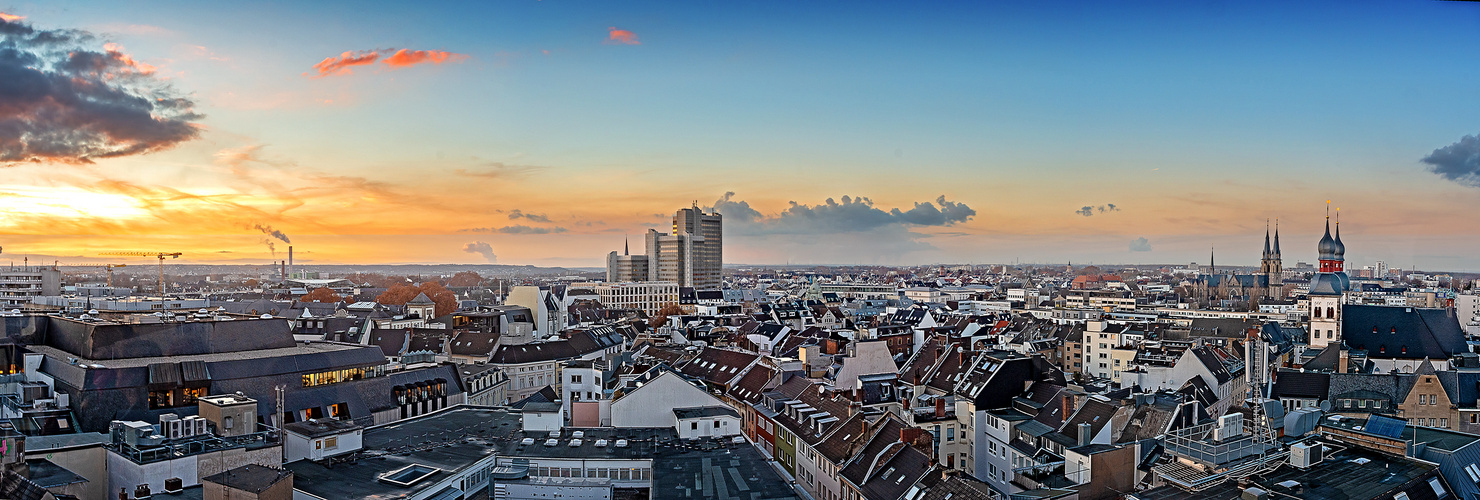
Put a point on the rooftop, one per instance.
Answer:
(1348, 474)
(727, 471)
(449, 440)
(250, 478)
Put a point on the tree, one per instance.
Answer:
(252, 283)
(669, 309)
(465, 279)
(402, 293)
(323, 295)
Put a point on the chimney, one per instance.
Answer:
(1085, 435)
(940, 407)
(1343, 360)
(290, 257)
(910, 434)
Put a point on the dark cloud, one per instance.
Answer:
(514, 229)
(847, 215)
(1089, 210)
(1140, 245)
(482, 248)
(268, 230)
(1458, 162)
(64, 100)
(516, 214)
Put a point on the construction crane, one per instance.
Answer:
(107, 266)
(159, 255)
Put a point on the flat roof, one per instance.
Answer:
(727, 471)
(451, 440)
(641, 443)
(1354, 473)
(321, 427)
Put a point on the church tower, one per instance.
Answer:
(1271, 266)
(1326, 289)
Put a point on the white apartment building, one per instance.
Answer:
(649, 296)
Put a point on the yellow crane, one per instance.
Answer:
(159, 255)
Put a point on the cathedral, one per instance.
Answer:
(1231, 290)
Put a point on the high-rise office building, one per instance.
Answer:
(692, 255)
(625, 267)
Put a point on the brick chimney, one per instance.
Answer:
(909, 435)
(940, 407)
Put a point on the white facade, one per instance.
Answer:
(648, 296)
(1325, 320)
(1098, 343)
(580, 383)
(299, 447)
(710, 426)
(652, 404)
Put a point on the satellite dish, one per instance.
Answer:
(1326, 405)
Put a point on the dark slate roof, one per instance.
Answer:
(718, 366)
(895, 477)
(845, 439)
(421, 299)
(1402, 332)
(473, 343)
(1095, 412)
(579, 344)
(1214, 363)
(752, 385)
(544, 395)
(992, 381)
(251, 478)
(1292, 384)
(1392, 387)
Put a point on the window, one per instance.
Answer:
(331, 442)
(575, 379)
(1444, 422)
(716, 424)
(694, 426)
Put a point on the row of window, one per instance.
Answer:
(615, 474)
(333, 377)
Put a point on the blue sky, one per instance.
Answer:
(1199, 119)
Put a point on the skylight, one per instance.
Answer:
(409, 475)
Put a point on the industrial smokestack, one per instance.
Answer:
(290, 258)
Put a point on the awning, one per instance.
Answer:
(164, 376)
(195, 373)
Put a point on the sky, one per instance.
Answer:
(547, 132)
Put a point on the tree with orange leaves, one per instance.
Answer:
(322, 295)
(669, 309)
(397, 295)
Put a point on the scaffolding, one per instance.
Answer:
(1202, 460)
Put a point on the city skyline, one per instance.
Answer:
(546, 133)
